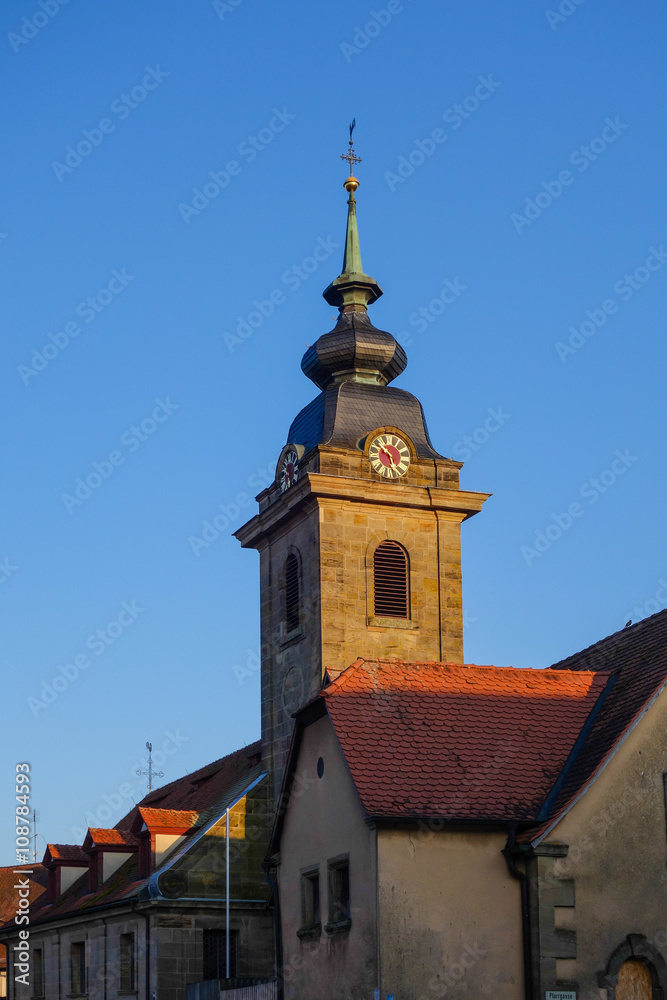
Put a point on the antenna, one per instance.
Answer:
(150, 773)
(35, 817)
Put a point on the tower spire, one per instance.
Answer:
(352, 290)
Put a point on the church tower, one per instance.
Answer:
(359, 535)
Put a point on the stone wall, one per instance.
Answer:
(176, 950)
(612, 847)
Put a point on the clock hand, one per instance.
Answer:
(388, 454)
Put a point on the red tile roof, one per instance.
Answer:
(67, 852)
(8, 894)
(102, 837)
(200, 790)
(222, 775)
(168, 818)
(638, 656)
(458, 742)
(9, 897)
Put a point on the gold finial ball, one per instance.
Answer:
(351, 184)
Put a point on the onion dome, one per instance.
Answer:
(354, 350)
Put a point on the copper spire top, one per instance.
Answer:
(352, 290)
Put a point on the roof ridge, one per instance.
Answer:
(193, 775)
(625, 631)
(379, 662)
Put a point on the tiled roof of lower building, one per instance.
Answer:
(195, 796)
(638, 656)
(167, 818)
(103, 837)
(67, 852)
(459, 742)
(38, 877)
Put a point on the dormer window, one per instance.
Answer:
(107, 850)
(160, 832)
(66, 863)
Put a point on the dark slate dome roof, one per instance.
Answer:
(354, 349)
(342, 415)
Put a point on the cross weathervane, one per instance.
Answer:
(349, 156)
(150, 773)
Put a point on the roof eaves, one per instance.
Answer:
(152, 884)
(579, 744)
(606, 760)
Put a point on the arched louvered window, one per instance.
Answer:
(292, 602)
(391, 581)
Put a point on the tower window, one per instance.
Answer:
(391, 581)
(292, 609)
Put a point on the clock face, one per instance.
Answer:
(289, 470)
(389, 456)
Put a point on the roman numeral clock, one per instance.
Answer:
(288, 466)
(389, 456)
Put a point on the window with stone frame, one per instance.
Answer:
(38, 973)
(215, 954)
(77, 968)
(311, 920)
(127, 962)
(340, 914)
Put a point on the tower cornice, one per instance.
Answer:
(317, 487)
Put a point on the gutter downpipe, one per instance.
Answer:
(104, 921)
(60, 988)
(522, 878)
(227, 892)
(277, 930)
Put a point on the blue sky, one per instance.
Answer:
(540, 199)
